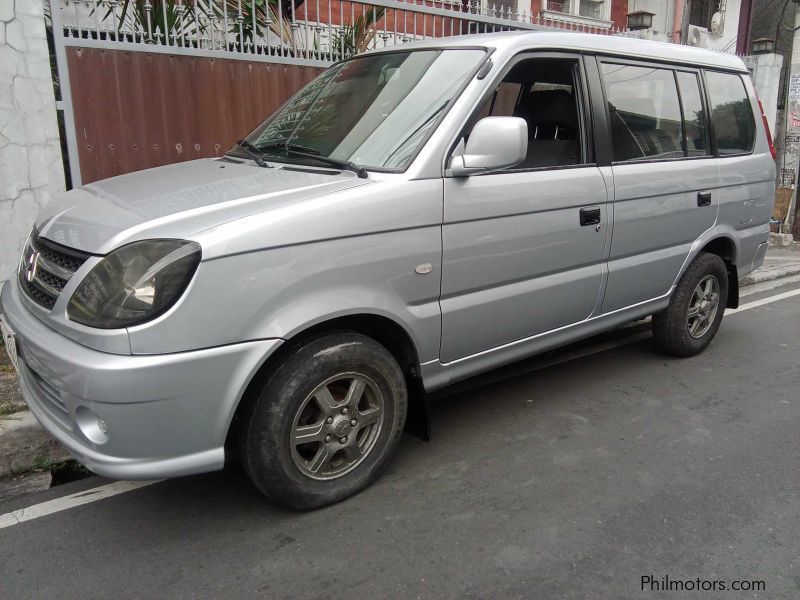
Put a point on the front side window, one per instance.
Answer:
(731, 113)
(502, 101)
(644, 112)
(373, 111)
(544, 92)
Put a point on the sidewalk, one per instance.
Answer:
(25, 447)
(779, 263)
(27, 452)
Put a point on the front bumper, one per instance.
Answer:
(162, 415)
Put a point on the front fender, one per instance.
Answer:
(278, 292)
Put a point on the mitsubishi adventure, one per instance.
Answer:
(414, 216)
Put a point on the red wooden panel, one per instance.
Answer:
(135, 110)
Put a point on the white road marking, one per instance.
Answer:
(77, 499)
(763, 301)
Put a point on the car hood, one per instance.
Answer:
(177, 201)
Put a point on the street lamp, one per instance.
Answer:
(641, 19)
(762, 46)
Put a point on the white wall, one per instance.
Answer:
(662, 19)
(31, 171)
(766, 73)
(662, 22)
(726, 41)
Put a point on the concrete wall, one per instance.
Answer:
(31, 170)
(766, 73)
(724, 40)
(769, 18)
(789, 161)
(662, 18)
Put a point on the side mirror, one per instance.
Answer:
(495, 143)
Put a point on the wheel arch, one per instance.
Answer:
(386, 331)
(725, 247)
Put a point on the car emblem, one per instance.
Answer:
(342, 427)
(32, 267)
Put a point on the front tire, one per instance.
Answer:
(695, 309)
(327, 421)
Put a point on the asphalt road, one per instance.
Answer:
(570, 481)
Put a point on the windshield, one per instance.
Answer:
(371, 111)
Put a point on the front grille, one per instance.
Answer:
(50, 280)
(46, 268)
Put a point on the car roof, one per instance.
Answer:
(514, 41)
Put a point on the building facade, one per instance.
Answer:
(722, 25)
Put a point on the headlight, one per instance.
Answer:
(134, 284)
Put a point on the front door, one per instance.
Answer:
(523, 247)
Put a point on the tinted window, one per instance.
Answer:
(731, 113)
(694, 117)
(644, 112)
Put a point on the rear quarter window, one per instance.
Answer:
(731, 113)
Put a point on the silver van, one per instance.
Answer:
(414, 216)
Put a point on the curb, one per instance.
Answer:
(770, 274)
(781, 240)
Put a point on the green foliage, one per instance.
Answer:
(166, 18)
(358, 35)
(175, 20)
(257, 16)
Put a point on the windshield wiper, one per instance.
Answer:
(292, 148)
(253, 152)
(333, 162)
(313, 153)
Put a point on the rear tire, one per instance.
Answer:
(326, 422)
(695, 309)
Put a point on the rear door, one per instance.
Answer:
(665, 177)
(523, 247)
(746, 176)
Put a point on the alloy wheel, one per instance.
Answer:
(336, 426)
(703, 306)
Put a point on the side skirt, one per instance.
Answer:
(436, 374)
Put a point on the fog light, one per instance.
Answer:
(92, 427)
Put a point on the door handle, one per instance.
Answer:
(590, 216)
(703, 198)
